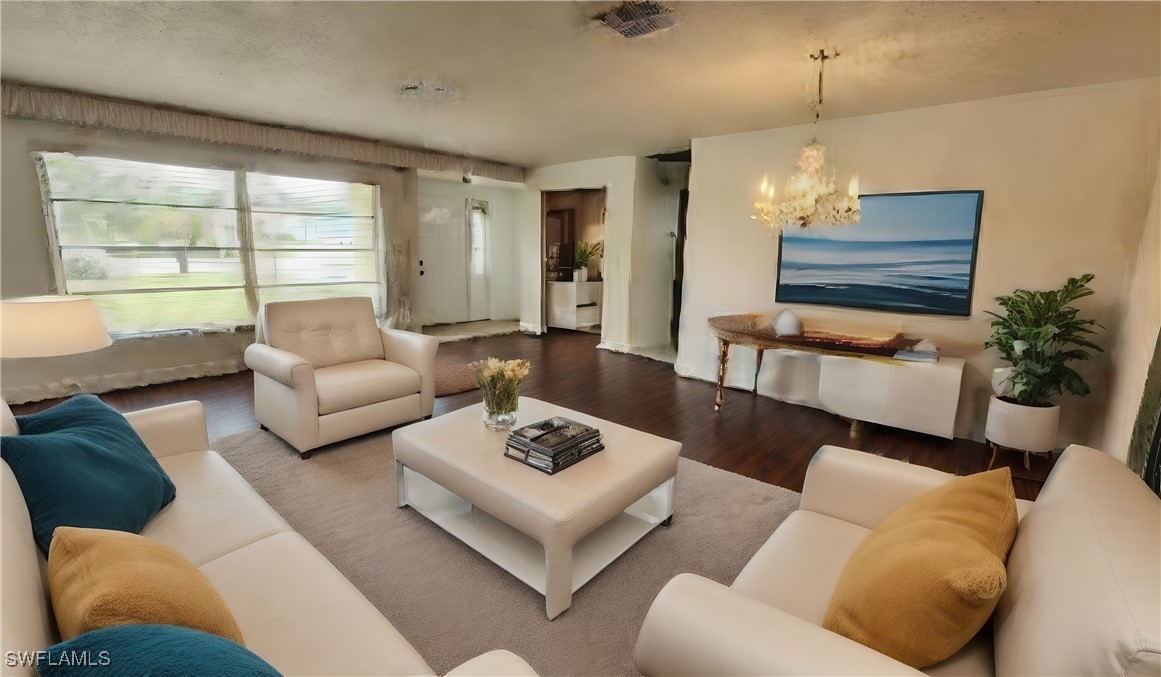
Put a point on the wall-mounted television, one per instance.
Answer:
(909, 253)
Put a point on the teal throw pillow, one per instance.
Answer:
(80, 464)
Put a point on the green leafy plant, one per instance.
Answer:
(584, 252)
(1039, 334)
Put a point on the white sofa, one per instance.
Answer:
(294, 608)
(324, 372)
(1083, 595)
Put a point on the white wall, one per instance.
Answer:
(528, 249)
(1067, 177)
(1136, 334)
(503, 262)
(617, 176)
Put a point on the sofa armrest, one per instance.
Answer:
(172, 429)
(498, 663)
(862, 488)
(699, 627)
(282, 366)
(416, 351)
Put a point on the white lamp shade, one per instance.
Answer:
(47, 326)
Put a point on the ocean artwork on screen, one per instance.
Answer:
(909, 253)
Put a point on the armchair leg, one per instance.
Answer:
(263, 427)
(306, 454)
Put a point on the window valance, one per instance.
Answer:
(36, 103)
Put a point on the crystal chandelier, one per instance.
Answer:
(810, 197)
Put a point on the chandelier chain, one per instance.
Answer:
(822, 57)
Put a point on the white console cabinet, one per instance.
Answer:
(915, 396)
(574, 305)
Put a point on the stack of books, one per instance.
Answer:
(553, 444)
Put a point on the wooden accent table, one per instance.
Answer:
(755, 330)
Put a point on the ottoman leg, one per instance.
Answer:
(558, 581)
(400, 486)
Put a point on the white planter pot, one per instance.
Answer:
(581, 274)
(1016, 426)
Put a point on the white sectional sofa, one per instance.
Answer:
(295, 610)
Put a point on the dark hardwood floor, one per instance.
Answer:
(752, 435)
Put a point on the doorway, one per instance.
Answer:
(573, 228)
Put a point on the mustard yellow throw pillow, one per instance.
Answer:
(926, 580)
(100, 578)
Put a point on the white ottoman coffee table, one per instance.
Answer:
(553, 532)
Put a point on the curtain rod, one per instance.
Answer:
(53, 105)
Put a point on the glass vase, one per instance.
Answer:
(501, 421)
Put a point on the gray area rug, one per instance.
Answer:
(451, 603)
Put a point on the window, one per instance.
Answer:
(162, 247)
(313, 238)
(477, 232)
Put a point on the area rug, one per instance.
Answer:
(453, 377)
(453, 604)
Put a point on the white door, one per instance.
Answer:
(443, 260)
(478, 304)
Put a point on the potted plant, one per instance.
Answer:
(1039, 333)
(584, 252)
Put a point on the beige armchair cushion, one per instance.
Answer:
(798, 568)
(325, 332)
(354, 384)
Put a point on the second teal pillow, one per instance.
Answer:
(156, 650)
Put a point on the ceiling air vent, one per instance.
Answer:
(634, 19)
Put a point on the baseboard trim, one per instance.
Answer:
(104, 383)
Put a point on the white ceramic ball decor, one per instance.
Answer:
(786, 323)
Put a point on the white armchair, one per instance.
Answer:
(324, 371)
(1083, 596)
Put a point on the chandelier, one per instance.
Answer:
(810, 197)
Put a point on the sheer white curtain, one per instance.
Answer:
(399, 202)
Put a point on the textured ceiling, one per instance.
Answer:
(540, 83)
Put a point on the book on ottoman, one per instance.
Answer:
(553, 444)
